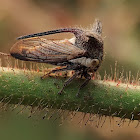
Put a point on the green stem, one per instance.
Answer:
(98, 97)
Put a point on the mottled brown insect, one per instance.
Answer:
(83, 53)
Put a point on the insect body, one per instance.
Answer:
(82, 54)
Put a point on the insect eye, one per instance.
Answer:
(95, 62)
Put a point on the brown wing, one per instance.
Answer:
(45, 51)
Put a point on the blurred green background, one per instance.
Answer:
(121, 33)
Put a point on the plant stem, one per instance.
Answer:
(98, 97)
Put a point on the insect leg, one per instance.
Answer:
(5, 54)
(53, 71)
(88, 78)
(67, 82)
(68, 67)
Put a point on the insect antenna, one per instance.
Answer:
(75, 31)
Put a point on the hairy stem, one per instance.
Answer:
(98, 97)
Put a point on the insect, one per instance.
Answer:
(83, 53)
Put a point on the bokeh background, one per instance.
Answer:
(121, 33)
